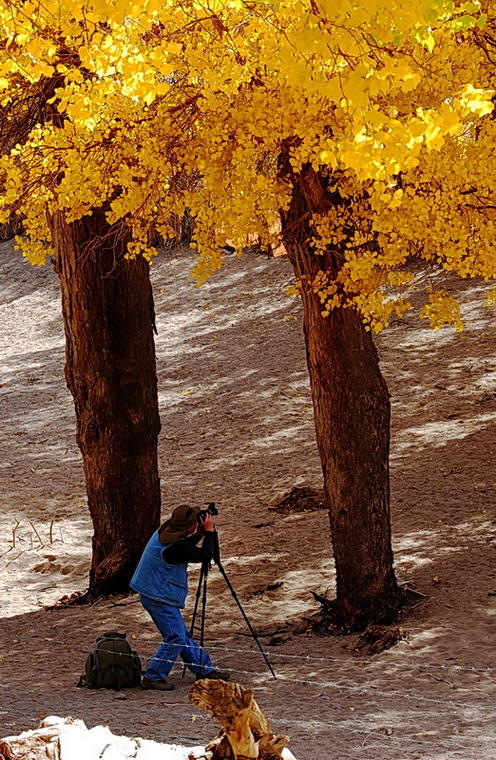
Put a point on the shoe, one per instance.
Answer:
(221, 675)
(161, 685)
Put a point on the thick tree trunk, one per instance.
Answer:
(352, 417)
(108, 313)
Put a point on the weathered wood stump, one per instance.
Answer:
(246, 734)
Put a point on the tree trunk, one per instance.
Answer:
(110, 370)
(352, 418)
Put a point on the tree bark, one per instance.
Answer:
(107, 305)
(352, 422)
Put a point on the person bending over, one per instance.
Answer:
(161, 579)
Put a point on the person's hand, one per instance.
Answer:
(208, 522)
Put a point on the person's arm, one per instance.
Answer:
(185, 550)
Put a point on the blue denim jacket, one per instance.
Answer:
(158, 580)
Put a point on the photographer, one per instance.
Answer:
(161, 580)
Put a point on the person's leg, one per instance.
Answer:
(170, 624)
(198, 660)
(194, 656)
(176, 642)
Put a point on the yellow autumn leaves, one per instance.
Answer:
(160, 106)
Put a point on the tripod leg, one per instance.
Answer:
(252, 630)
(195, 608)
(204, 606)
(197, 600)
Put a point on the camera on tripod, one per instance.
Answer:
(210, 510)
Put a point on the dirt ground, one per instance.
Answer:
(237, 429)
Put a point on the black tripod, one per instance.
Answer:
(202, 592)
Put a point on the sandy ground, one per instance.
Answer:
(237, 429)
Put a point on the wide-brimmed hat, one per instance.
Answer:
(178, 524)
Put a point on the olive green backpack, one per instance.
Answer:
(113, 664)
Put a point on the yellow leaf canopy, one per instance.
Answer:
(149, 108)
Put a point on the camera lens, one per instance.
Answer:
(210, 510)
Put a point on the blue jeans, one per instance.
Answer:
(177, 642)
